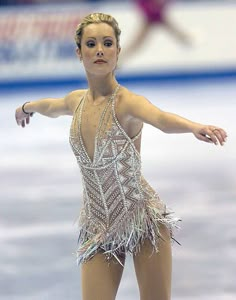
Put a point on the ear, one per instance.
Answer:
(118, 52)
(78, 53)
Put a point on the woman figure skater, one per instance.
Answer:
(154, 13)
(121, 212)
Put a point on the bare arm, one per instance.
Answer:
(140, 108)
(50, 107)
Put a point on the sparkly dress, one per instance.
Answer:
(120, 209)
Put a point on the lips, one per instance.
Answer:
(99, 61)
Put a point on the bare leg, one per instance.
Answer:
(136, 43)
(153, 270)
(100, 279)
(179, 34)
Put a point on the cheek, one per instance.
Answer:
(113, 54)
(86, 54)
(87, 58)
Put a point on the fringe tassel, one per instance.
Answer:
(128, 236)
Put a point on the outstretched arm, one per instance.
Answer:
(50, 107)
(140, 108)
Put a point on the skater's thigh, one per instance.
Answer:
(101, 278)
(153, 269)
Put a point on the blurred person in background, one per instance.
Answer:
(154, 14)
(121, 212)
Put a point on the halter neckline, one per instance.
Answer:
(93, 158)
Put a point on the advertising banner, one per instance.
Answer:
(37, 42)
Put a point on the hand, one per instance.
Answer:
(210, 134)
(21, 118)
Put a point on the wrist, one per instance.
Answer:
(25, 110)
(195, 127)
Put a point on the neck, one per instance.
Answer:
(101, 87)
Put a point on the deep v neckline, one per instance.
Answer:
(92, 160)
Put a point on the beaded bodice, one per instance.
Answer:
(111, 179)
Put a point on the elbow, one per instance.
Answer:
(163, 128)
(166, 130)
(51, 112)
(54, 114)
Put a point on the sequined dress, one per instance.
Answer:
(120, 209)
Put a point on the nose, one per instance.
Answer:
(100, 53)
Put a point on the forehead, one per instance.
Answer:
(100, 29)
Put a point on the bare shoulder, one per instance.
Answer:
(128, 100)
(73, 99)
(136, 108)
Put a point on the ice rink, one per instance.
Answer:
(40, 194)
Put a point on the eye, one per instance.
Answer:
(90, 44)
(108, 43)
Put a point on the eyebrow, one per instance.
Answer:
(105, 37)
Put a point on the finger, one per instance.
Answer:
(16, 118)
(223, 132)
(211, 135)
(23, 123)
(27, 120)
(18, 122)
(204, 138)
(220, 135)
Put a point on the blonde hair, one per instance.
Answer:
(96, 18)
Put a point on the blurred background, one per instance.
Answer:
(181, 55)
